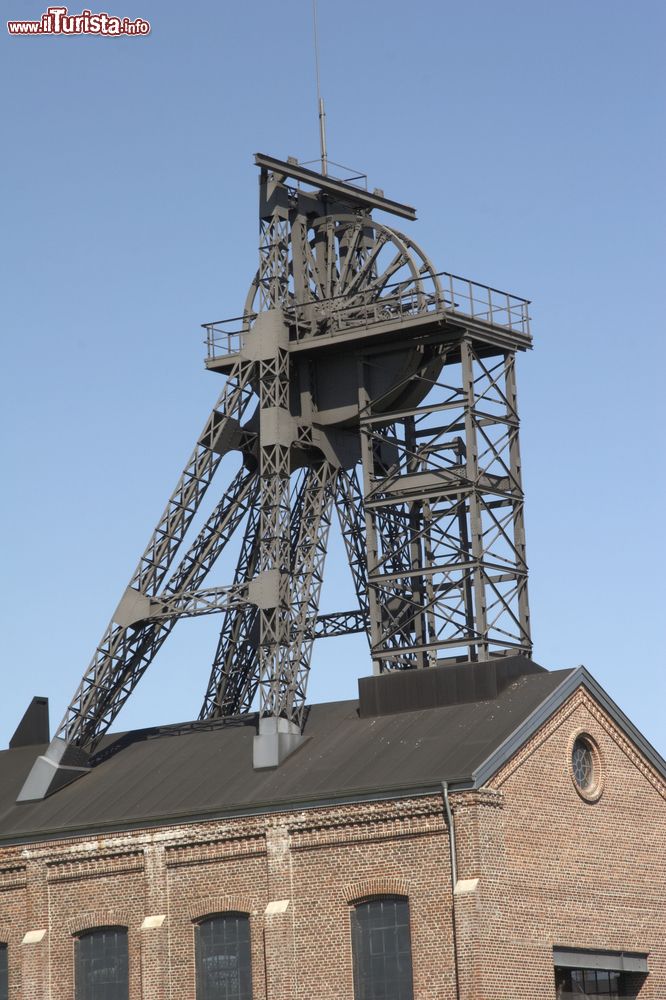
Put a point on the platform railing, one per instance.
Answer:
(398, 303)
(224, 337)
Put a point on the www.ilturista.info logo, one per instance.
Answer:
(58, 21)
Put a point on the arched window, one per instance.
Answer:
(4, 974)
(224, 966)
(382, 950)
(102, 965)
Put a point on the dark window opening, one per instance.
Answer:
(382, 950)
(4, 973)
(572, 984)
(102, 965)
(223, 959)
(582, 763)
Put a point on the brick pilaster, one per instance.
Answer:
(155, 928)
(281, 973)
(35, 953)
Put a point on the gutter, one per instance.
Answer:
(454, 880)
(387, 794)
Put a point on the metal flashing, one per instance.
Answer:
(611, 961)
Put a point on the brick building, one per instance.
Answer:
(174, 870)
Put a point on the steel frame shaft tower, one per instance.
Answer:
(352, 355)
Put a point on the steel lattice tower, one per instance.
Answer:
(361, 381)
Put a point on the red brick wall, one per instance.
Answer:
(400, 851)
(558, 870)
(321, 861)
(551, 869)
(13, 910)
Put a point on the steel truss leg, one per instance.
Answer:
(349, 506)
(306, 582)
(135, 647)
(234, 677)
(220, 435)
(128, 645)
(282, 694)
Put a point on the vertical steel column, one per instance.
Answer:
(274, 241)
(519, 499)
(415, 529)
(271, 587)
(430, 596)
(268, 344)
(475, 518)
(279, 731)
(374, 609)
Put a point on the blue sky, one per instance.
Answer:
(530, 136)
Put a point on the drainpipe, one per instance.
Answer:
(454, 879)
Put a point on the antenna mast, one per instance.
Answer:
(320, 99)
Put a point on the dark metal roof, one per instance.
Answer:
(205, 769)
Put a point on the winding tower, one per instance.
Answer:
(358, 381)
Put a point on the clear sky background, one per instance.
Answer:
(530, 136)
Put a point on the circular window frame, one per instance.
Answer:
(595, 789)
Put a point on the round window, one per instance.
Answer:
(582, 763)
(585, 769)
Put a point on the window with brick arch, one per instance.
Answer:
(4, 973)
(102, 964)
(223, 958)
(382, 949)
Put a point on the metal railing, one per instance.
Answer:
(399, 303)
(224, 336)
(481, 302)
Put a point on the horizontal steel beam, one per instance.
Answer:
(428, 572)
(341, 623)
(447, 324)
(347, 192)
(444, 484)
(217, 599)
(386, 653)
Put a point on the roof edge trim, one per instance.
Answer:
(389, 794)
(578, 677)
(624, 723)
